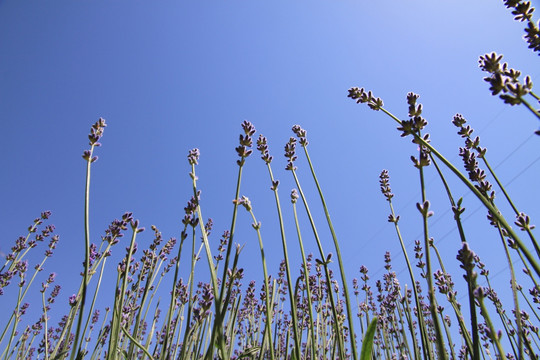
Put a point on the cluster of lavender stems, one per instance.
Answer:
(304, 316)
(480, 337)
(307, 315)
(301, 317)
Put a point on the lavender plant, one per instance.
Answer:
(312, 315)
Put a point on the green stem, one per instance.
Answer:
(324, 261)
(220, 312)
(76, 346)
(533, 240)
(494, 337)
(532, 93)
(116, 321)
(45, 333)
(306, 281)
(340, 260)
(190, 301)
(15, 323)
(165, 349)
(531, 108)
(421, 320)
(514, 295)
(429, 276)
(211, 265)
(296, 335)
(479, 195)
(474, 346)
(94, 299)
(269, 309)
(134, 341)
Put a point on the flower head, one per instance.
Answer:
(262, 146)
(244, 149)
(290, 153)
(193, 156)
(96, 132)
(301, 133)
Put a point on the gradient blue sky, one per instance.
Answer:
(169, 76)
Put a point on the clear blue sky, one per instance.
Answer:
(169, 76)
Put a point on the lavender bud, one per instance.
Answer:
(193, 156)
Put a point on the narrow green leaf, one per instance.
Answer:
(61, 355)
(134, 341)
(80, 355)
(250, 352)
(367, 344)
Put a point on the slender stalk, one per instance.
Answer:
(494, 337)
(116, 322)
(147, 286)
(340, 260)
(17, 316)
(165, 349)
(306, 281)
(447, 332)
(324, 261)
(231, 231)
(420, 316)
(296, 334)
(219, 316)
(257, 226)
(22, 295)
(531, 108)
(529, 232)
(513, 285)
(474, 347)
(494, 211)
(431, 290)
(45, 326)
(190, 301)
(94, 299)
(76, 346)
(134, 341)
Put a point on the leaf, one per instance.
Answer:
(367, 344)
(249, 352)
(80, 355)
(60, 355)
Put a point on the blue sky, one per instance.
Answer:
(169, 76)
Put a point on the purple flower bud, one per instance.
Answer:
(193, 156)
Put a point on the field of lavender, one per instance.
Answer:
(316, 313)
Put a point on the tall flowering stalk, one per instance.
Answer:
(262, 146)
(504, 81)
(473, 151)
(301, 134)
(96, 132)
(263, 327)
(267, 333)
(290, 154)
(166, 348)
(120, 306)
(244, 151)
(478, 184)
(384, 180)
(294, 200)
(415, 125)
(408, 128)
(217, 334)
